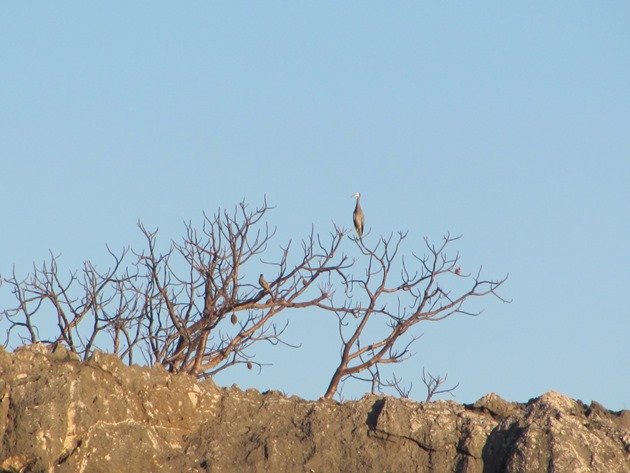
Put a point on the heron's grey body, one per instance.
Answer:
(358, 216)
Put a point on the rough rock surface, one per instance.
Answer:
(60, 415)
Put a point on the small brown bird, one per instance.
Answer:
(234, 319)
(264, 284)
(358, 216)
(249, 365)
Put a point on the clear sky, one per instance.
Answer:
(506, 122)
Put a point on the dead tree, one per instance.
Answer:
(81, 309)
(183, 316)
(393, 307)
(197, 307)
(201, 304)
(434, 383)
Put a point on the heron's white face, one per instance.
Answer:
(357, 195)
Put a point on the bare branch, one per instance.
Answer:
(201, 304)
(390, 306)
(197, 305)
(433, 383)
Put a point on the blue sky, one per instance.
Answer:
(506, 123)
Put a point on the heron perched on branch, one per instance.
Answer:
(358, 216)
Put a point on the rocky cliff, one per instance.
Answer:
(58, 414)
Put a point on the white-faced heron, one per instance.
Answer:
(358, 216)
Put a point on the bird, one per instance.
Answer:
(234, 319)
(264, 284)
(358, 216)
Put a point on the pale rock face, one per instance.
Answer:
(58, 414)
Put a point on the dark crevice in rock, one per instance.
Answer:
(484, 410)
(499, 448)
(67, 454)
(372, 417)
(426, 448)
(465, 452)
(389, 437)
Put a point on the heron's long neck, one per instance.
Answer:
(358, 206)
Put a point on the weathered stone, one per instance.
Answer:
(58, 414)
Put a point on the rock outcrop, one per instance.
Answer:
(58, 414)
